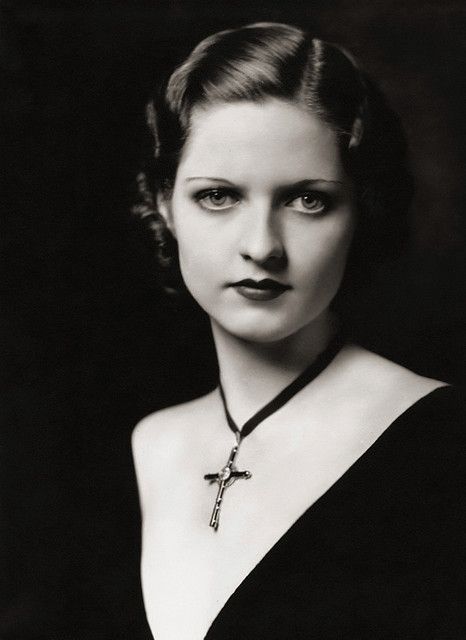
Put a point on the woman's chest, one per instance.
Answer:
(189, 570)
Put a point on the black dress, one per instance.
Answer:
(381, 554)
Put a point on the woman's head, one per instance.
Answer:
(262, 63)
(262, 211)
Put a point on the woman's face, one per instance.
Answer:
(262, 211)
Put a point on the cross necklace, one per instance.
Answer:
(229, 473)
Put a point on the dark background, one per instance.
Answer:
(89, 344)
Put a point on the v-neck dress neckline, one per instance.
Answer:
(380, 554)
(386, 440)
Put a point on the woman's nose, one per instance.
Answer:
(261, 240)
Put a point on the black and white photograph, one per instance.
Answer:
(233, 320)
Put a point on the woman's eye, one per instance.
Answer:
(216, 199)
(314, 203)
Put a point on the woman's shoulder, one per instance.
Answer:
(380, 389)
(172, 424)
(384, 379)
(428, 413)
(163, 444)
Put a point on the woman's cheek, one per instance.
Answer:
(197, 267)
(321, 273)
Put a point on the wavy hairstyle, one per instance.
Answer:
(269, 60)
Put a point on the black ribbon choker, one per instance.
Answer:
(229, 473)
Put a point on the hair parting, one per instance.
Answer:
(263, 61)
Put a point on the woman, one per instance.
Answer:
(311, 494)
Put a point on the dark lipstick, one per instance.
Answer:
(260, 290)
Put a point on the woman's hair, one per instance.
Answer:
(268, 60)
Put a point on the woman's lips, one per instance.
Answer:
(262, 290)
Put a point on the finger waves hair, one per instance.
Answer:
(261, 61)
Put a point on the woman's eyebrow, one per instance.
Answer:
(301, 184)
(223, 180)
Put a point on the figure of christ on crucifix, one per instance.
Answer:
(225, 478)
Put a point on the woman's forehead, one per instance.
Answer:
(271, 139)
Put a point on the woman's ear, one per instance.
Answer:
(165, 210)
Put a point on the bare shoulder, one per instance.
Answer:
(388, 384)
(169, 427)
(380, 370)
(164, 439)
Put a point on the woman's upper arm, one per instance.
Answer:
(143, 449)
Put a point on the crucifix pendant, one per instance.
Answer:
(224, 478)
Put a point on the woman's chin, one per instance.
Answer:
(258, 332)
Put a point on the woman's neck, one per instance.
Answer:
(253, 373)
